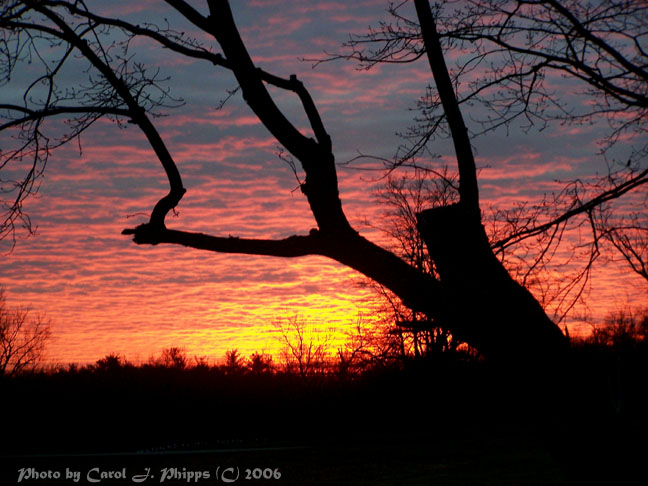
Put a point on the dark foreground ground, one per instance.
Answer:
(452, 424)
(496, 460)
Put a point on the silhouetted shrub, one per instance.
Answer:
(259, 363)
(109, 363)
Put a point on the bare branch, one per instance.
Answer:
(584, 207)
(468, 189)
(137, 113)
(294, 246)
(33, 115)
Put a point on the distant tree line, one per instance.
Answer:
(401, 339)
(305, 355)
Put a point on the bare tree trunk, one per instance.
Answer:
(484, 306)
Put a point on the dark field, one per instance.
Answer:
(445, 423)
(496, 460)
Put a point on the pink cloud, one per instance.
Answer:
(106, 294)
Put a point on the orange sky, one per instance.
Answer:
(104, 294)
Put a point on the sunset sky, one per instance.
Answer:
(105, 294)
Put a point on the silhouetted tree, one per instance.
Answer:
(622, 328)
(366, 347)
(234, 361)
(404, 197)
(259, 363)
(22, 338)
(173, 357)
(110, 363)
(304, 352)
(201, 362)
(471, 292)
(511, 53)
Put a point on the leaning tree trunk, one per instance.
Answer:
(483, 305)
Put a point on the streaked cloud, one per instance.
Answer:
(104, 294)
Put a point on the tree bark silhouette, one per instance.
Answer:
(489, 309)
(474, 295)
